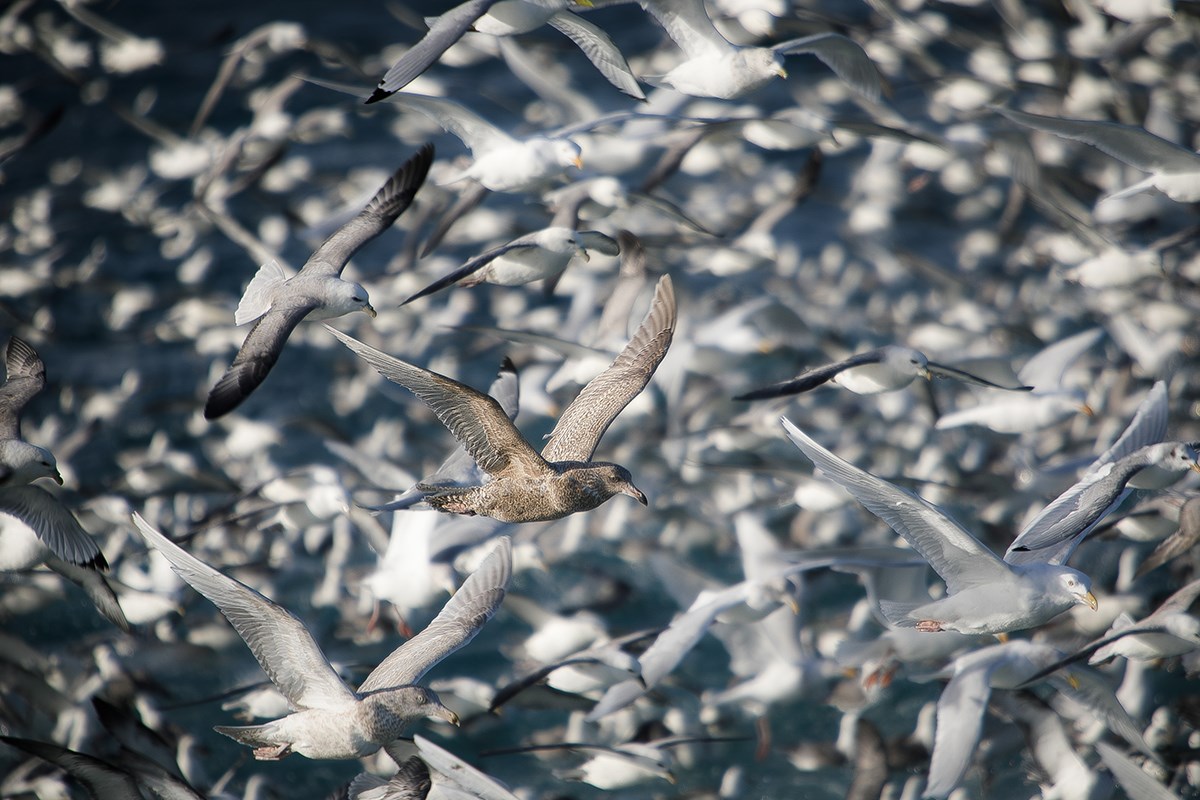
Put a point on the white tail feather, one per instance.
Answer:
(256, 301)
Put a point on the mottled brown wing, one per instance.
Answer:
(26, 377)
(475, 419)
(583, 422)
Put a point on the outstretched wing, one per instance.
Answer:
(388, 203)
(25, 377)
(811, 379)
(689, 25)
(443, 33)
(280, 642)
(471, 606)
(844, 56)
(585, 420)
(475, 419)
(600, 50)
(943, 371)
(53, 523)
(1136, 147)
(254, 360)
(954, 553)
(470, 268)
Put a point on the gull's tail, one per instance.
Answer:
(898, 614)
(253, 735)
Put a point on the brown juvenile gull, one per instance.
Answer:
(20, 461)
(330, 720)
(525, 486)
(316, 292)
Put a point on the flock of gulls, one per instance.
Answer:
(858, 581)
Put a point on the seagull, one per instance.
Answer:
(1050, 401)
(1174, 170)
(881, 370)
(984, 593)
(543, 254)
(1071, 517)
(317, 292)
(526, 487)
(330, 720)
(715, 67)
(501, 163)
(509, 18)
(961, 707)
(21, 462)
(35, 528)
(1137, 459)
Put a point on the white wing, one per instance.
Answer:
(280, 642)
(1044, 372)
(954, 553)
(476, 133)
(688, 24)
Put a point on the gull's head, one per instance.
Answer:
(618, 481)
(567, 153)
(1078, 587)
(1183, 626)
(1174, 456)
(418, 701)
(562, 240)
(29, 462)
(764, 61)
(907, 361)
(348, 297)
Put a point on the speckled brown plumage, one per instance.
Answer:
(525, 486)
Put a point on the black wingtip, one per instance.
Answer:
(224, 397)
(765, 394)
(507, 365)
(376, 96)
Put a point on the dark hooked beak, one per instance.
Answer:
(635, 493)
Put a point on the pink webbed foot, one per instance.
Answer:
(929, 626)
(272, 753)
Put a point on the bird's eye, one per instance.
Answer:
(1070, 581)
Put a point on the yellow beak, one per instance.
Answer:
(578, 162)
(1091, 600)
(781, 72)
(370, 311)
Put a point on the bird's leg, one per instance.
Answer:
(929, 626)
(762, 726)
(374, 620)
(272, 753)
(881, 677)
